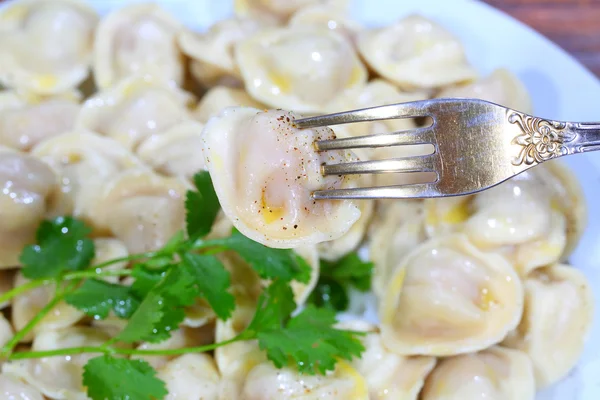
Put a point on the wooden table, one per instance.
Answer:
(572, 24)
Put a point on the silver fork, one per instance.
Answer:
(477, 144)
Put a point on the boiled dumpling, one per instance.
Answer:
(13, 388)
(328, 17)
(266, 382)
(396, 231)
(388, 375)
(108, 249)
(7, 278)
(500, 87)
(556, 323)
(45, 46)
(221, 97)
(6, 330)
(280, 10)
(302, 290)
(84, 161)
(267, 194)
(176, 151)
(416, 53)
(495, 374)
(447, 297)
(137, 38)
(27, 120)
(143, 209)
(212, 51)
(27, 188)
(298, 68)
(134, 109)
(58, 377)
(191, 377)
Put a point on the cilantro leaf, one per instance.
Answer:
(113, 378)
(96, 298)
(310, 341)
(202, 206)
(162, 310)
(212, 280)
(330, 294)
(350, 269)
(145, 279)
(274, 308)
(62, 245)
(268, 262)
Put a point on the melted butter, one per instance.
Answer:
(280, 81)
(46, 81)
(555, 204)
(344, 370)
(241, 7)
(270, 214)
(356, 76)
(486, 299)
(388, 313)
(457, 214)
(17, 12)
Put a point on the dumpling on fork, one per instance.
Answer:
(264, 170)
(46, 46)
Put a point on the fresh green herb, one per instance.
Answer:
(62, 245)
(337, 277)
(96, 298)
(165, 283)
(108, 377)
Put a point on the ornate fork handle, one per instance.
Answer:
(544, 139)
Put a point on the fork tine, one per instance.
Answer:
(412, 109)
(407, 164)
(413, 136)
(418, 190)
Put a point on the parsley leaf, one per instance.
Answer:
(268, 262)
(113, 378)
(62, 245)
(162, 310)
(310, 341)
(96, 298)
(350, 269)
(202, 206)
(212, 280)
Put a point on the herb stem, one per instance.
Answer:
(94, 273)
(117, 350)
(131, 257)
(24, 288)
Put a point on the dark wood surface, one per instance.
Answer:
(572, 24)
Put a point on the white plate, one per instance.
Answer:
(560, 87)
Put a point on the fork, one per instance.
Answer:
(477, 144)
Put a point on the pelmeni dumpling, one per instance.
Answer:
(191, 376)
(500, 87)
(134, 109)
(27, 120)
(58, 377)
(84, 161)
(27, 188)
(176, 151)
(416, 53)
(280, 10)
(6, 330)
(143, 209)
(267, 382)
(267, 194)
(13, 388)
(328, 17)
(497, 373)
(108, 249)
(46, 46)
(388, 375)
(298, 68)
(447, 297)
(213, 50)
(396, 231)
(221, 97)
(559, 309)
(7, 278)
(302, 290)
(137, 38)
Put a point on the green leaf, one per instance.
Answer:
(62, 245)
(110, 378)
(212, 280)
(269, 263)
(349, 270)
(146, 278)
(310, 342)
(96, 298)
(202, 206)
(163, 309)
(330, 294)
(274, 308)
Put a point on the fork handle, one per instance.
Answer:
(543, 139)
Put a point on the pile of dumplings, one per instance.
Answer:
(103, 119)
